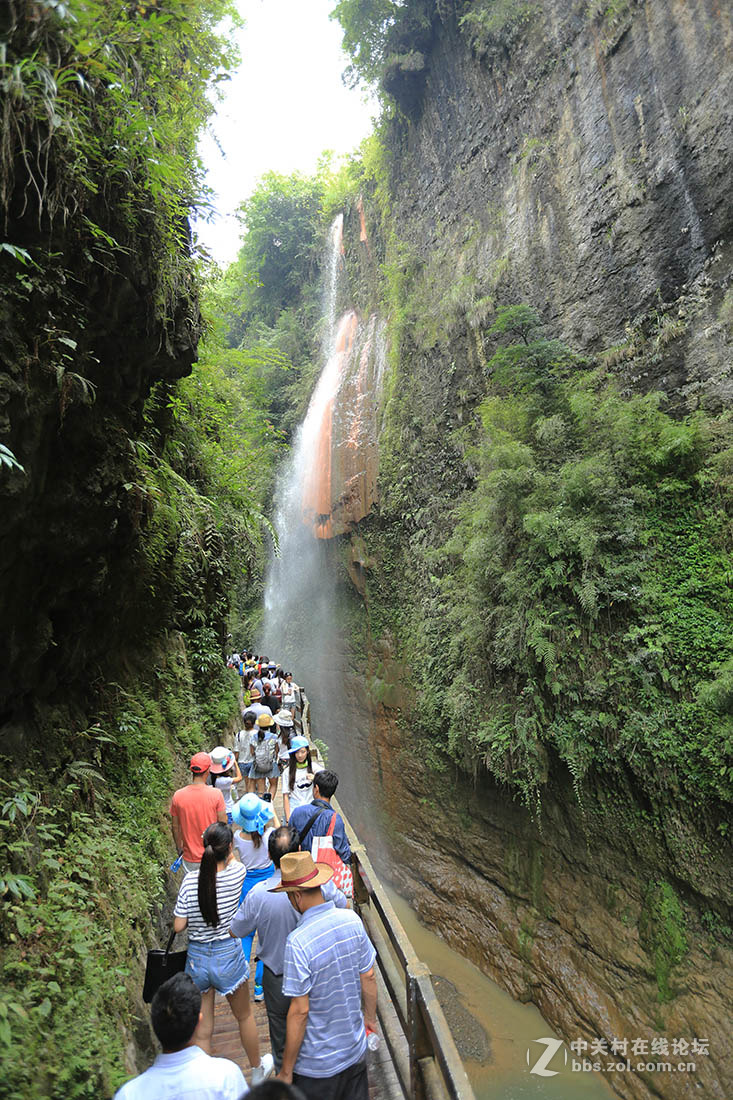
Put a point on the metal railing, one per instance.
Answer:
(423, 1051)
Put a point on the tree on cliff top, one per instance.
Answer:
(377, 32)
(269, 298)
(282, 243)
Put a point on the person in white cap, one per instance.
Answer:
(286, 727)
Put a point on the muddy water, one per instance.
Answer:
(511, 1028)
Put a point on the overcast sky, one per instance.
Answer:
(284, 107)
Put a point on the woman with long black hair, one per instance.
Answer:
(207, 901)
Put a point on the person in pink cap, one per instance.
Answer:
(193, 809)
(224, 774)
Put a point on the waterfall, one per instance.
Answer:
(327, 484)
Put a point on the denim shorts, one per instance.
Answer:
(274, 772)
(220, 964)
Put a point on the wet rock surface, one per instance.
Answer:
(557, 914)
(72, 520)
(583, 167)
(470, 1036)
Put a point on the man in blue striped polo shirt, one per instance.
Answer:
(328, 969)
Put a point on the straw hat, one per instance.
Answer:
(299, 872)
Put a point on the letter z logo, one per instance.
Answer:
(540, 1066)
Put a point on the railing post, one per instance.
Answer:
(427, 1062)
(361, 894)
(418, 1039)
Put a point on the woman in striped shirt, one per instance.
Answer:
(207, 901)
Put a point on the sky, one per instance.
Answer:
(282, 109)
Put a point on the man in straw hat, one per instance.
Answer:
(274, 918)
(328, 969)
(256, 705)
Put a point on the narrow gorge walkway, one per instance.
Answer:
(383, 1081)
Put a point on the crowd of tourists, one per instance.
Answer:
(248, 875)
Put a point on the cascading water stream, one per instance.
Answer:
(327, 484)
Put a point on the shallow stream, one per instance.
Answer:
(511, 1028)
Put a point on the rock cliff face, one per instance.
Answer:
(570, 915)
(579, 160)
(73, 518)
(585, 168)
(97, 305)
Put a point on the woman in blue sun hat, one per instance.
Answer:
(254, 820)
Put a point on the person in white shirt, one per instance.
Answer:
(256, 706)
(241, 748)
(224, 773)
(288, 689)
(298, 777)
(286, 727)
(183, 1071)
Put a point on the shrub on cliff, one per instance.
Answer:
(584, 597)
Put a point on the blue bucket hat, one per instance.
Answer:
(298, 743)
(252, 814)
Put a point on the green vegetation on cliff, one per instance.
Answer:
(103, 107)
(268, 302)
(85, 842)
(132, 520)
(662, 931)
(207, 459)
(387, 40)
(573, 586)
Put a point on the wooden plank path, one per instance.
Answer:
(383, 1081)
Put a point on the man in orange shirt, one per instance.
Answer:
(193, 809)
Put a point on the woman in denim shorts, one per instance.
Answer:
(262, 733)
(207, 901)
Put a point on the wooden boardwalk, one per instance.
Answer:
(383, 1081)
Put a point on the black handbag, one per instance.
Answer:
(161, 966)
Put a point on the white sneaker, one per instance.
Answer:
(264, 1070)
